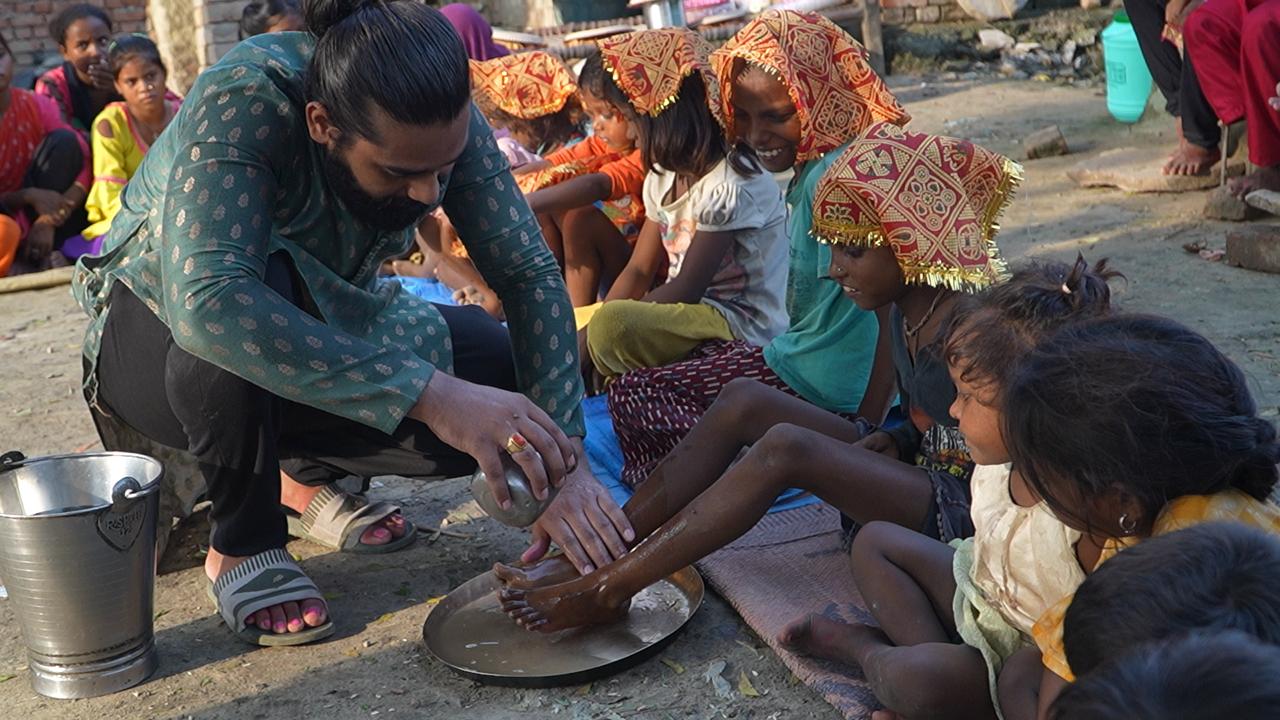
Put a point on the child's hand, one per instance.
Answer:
(880, 442)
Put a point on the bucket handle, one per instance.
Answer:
(12, 460)
(126, 492)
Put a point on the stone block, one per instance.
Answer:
(1265, 200)
(1222, 205)
(1136, 170)
(931, 14)
(1255, 248)
(1048, 142)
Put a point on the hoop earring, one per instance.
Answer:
(1127, 524)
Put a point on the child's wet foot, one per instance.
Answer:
(563, 606)
(549, 571)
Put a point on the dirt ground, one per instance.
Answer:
(377, 665)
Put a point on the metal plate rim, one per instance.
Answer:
(687, 579)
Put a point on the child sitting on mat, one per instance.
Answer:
(715, 227)
(1116, 456)
(588, 196)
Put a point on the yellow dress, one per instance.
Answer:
(1183, 512)
(117, 153)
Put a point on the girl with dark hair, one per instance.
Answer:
(1114, 455)
(795, 90)
(262, 17)
(238, 314)
(715, 223)
(914, 258)
(588, 196)
(82, 86)
(1018, 562)
(44, 175)
(125, 130)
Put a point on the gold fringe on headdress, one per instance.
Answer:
(651, 65)
(935, 200)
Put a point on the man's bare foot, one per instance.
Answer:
(821, 637)
(297, 496)
(1267, 178)
(558, 607)
(289, 617)
(1191, 159)
(548, 571)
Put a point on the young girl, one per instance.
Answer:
(795, 90)
(82, 86)
(531, 101)
(44, 175)
(714, 221)
(588, 196)
(917, 259)
(125, 130)
(1115, 456)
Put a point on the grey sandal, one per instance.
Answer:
(338, 520)
(264, 580)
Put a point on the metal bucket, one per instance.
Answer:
(77, 554)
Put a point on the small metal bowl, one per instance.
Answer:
(525, 508)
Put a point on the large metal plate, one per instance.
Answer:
(468, 631)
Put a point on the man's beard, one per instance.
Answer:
(386, 214)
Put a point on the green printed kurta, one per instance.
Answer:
(236, 178)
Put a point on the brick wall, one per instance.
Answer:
(25, 25)
(901, 12)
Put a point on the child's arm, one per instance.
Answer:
(706, 253)
(641, 270)
(570, 194)
(531, 166)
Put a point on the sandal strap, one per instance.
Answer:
(269, 578)
(336, 518)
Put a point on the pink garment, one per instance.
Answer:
(476, 34)
(25, 125)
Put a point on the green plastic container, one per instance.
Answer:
(1128, 79)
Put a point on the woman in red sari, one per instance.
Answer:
(1235, 47)
(44, 174)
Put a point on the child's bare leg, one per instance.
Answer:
(743, 412)
(594, 251)
(866, 485)
(550, 223)
(907, 581)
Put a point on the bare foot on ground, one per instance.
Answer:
(558, 607)
(821, 637)
(1267, 178)
(1191, 159)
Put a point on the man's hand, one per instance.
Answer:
(583, 521)
(880, 442)
(1275, 101)
(1177, 11)
(480, 420)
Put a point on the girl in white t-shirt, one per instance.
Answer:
(711, 259)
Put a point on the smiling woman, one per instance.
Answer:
(243, 271)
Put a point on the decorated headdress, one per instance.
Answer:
(527, 85)
(651, 65)
(935, 200)
(836, 93)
